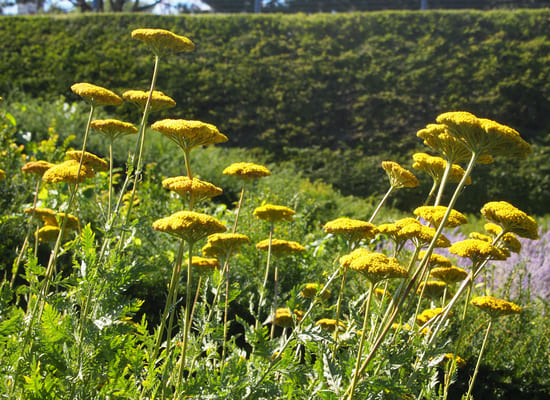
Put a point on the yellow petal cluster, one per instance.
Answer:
(477, 250)
(422, 235)
(204, 265)
(224, 244)
(310, 290)
(435, 260)
(496, 307)
(2, 174)
(329, 324)
(184, 186)
(427, 315)
(271, 212)
(351, 229)
(189, 134)
(284, 317)
(435, 167)
(511, 219)
(280, 247)
(246, 170)
(160, 39)
(159, 101)
(189, 225)
(436, 137)
(399, 176)
(434, 215)
(347, 259)
(113, 128)
(377, 266)
(67, 172)
(432, 289)
(47, 215)
(460, 362)
(449, 274)
(48, 233)
(96, 95)
(37, 167)
(89, 160)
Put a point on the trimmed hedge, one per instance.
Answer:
(360, 82)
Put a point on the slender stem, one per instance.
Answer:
(430, 195)
(471, 386)
(375, 213)
(110, 181)
(275, 300)
(448, 167)
(263, 288)
(226, 307)
(338, 306)
(239, 207)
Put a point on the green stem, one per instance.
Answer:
(239, 208)
(448, 168)
(471, 386)
(275, 301)
(263, 288)
(379, 207)
(430, 195)
(338, 308)
(110, 181)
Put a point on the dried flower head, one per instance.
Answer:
(496, 307)
(329, 325)
(160, 40)
(159, 101)
(377, 266)
(310, 290)
(189, 134)
(67, 172)
(36, 167)
(246, 170)
(224, 244)
(96, 95)
(280, 247)
(399, 176)
(477, 250)
(449, 274)
(89, 160)
(511, 219)
(434, 215)
(113, 128)
(204, 265)
(270, 212)
(185, 187)
(189, 225)
(435, 167)
(353, 230)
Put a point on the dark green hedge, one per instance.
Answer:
(360, 81)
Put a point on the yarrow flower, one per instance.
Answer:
(511, 219)
(224, 244)
(96, 95)
(159, 101)
(89, 160)
(496, 307)
(310, 290)
(399, 176)
(435, 260)
(204, 265)
(434, 215)
(377, 266)
(184, 186)
(508, 241)
(67, 172)
(246, 170)
(449, 274)
(460, 362)
(477, 250)
(48, 233)
(329, 324)
(37, 167)
(284, 317)
(427, 315)
(189, 134)
(189, 225)
(280, 247)
(432, 289)
(160, 40)
(421, 235)
(113, 128)
(2, 174)
(435, 167)
(274, 213)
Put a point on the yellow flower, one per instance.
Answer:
(480, 236)
(90, 160)
(329, 325)
(159, 101)
(347, 259)
(160, 39)
(434, 215)
(310, 290)
(47, 215)
(113, 128)
(435, 167)
(224, 244)
(273, 213)
(449, 274)
(204, 265)
(436, 260)
(422, 235)
(399, 176)
(189, 134)
(48, 233)
(460, 362)
(281, 247)
(352, 230)
(200, 190)
(477, 250)
(2, 174)
(427, 315)
(67, 172)
(284, 317)
(36, 167)
(433, 289)
(511, 219)
(496, 307)
(377, 266)
(246, 170)
(189, 225)
(96, 94)
(381, 293)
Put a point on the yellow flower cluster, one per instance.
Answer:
(89, 160)
(377, 266)
(511, 219)
(2, 174)
(48, 233)
(224, 244)
(189, 225)
(189, 134)
(280, 247)
(435, 167)
(68, 172)
(436, 137)
(96, 95)
(477, 250)
(435, 260)
(160, 39)
(113, 128)
(159, 101)
(460, 362)
(200, 190)
(310, 290)
(432, 289)
(204, 265)
(422, 235)
(329, 324)
(508, 241)
(399, 176)
(246, 170)
(450, 274)
(284, 317)
(351, 229)
(434, 215)
(37, 167)
(271, 212)
(496, 307)
(427, 315)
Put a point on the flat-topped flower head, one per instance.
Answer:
(113, 128)
(159, 101)
(280, 247)
(480, 236)
(274, 213)
(310, 290)
(434, 215)
(68, 172)
(435, 167)
(484, 136)
(511, 219)
(36, 167)
(329, 325)
(161, 40)
(432, 289)
(189, 134)
(427, 315)
(422, 235)
(189, 225)
(436, 260)
(460, 362)
(246, 170)
(284, 317)
(399, 176)
(224, 244)
(185, 187)
(347, 259)
(89, 160)
(47, 215)
(449, 275)
(477, 250)
(352, 230)
(496, 307)
(96, 95)
(509, 241)
(436, 137)
(204, 265)
(377, 266)
(48, 233)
